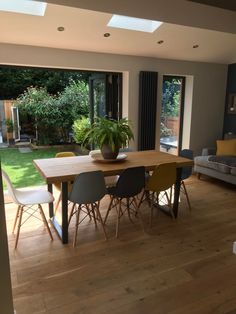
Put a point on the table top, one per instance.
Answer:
(65, 169)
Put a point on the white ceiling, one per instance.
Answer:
(84, 31)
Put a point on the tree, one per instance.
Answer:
(15, 80)
(171, 97)
(53, 115)
(42, 108)
(170, 103)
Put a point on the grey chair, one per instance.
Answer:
(87, 191)
(123, 196)
(186, 173)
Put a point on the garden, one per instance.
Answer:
(53, 109)
(19, 166)
(59, 121)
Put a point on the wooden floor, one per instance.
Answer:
(182, 266)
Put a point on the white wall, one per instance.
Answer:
(208, 94)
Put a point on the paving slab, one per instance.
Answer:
(25, 150)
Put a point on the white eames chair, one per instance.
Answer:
(25, 201)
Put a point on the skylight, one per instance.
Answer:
(133, 23)
(23, 6)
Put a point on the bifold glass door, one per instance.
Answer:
(105, 95)
(16, 123)
(172, 114)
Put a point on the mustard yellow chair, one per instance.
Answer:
(58, 185)
(162, 178)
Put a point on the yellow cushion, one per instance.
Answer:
(226, 147)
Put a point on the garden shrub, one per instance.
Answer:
(80, 129)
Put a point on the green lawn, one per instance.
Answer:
(20, 167)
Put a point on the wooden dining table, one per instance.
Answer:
(65, 170)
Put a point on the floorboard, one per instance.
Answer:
(177, 267)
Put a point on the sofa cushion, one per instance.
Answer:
(203, 161)
(226, 160)
(233, 171)
(226, 147)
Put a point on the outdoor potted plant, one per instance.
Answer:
(10, 128)
(109, 136)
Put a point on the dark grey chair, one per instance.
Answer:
(87, 191)
(130, 183)
(186, 172)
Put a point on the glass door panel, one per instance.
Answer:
(171, 114)
(16, 123)
(97, 96)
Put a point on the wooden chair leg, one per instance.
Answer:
(57, 203)
(128, 209)
(19, 225)
(199, 175)
(118, 219)
(100, 218)
(152, 205)
(76, 225)
(45, 221)
(169, 205)
(71, 213)
(141, 199)
(139, 214)
(168, 199)
(16, 218)
(109, 208)
(186, 194)
(88, 211)
(94, 215)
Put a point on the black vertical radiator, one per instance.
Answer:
(147, 110)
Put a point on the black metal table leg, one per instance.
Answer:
(177, 192)
(50, 205)
(62, 230)
(64, 191)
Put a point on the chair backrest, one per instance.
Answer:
(88, 187)
(162, 178)
(186, 171)
(65, 154)
(130, 182)
(10, 187)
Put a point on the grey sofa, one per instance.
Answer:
(221, 169)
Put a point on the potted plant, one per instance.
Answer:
(10, 128)
(109, 136)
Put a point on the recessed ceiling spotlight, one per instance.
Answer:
(107, 35)
(160, 42)
(61, 29)
(195, 46)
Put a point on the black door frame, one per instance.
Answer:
(113, 94)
